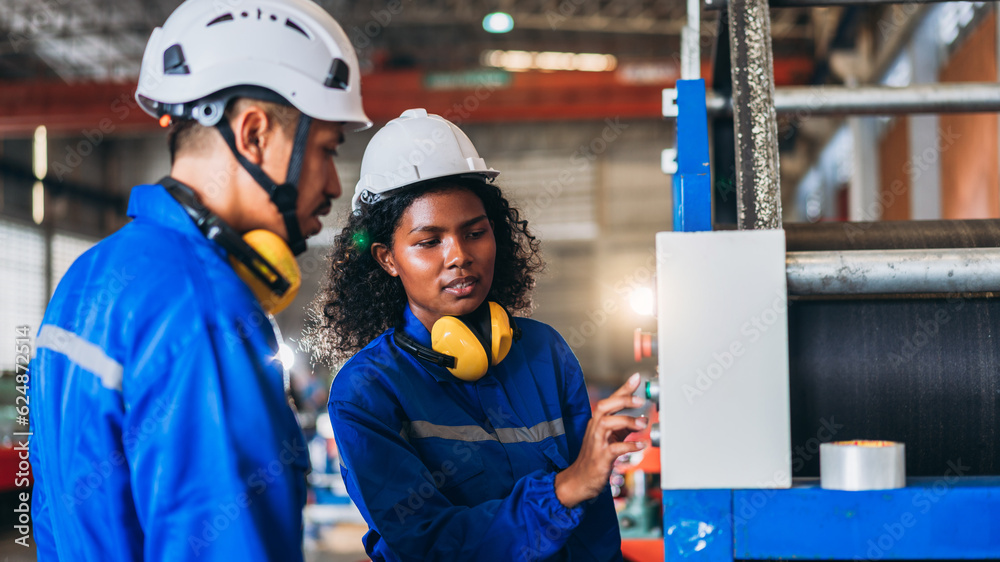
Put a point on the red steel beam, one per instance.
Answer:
(109, 108)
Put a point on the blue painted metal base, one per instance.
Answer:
(950, 517)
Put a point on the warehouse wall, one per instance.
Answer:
(967, 144)
(894, 179)
(969, 174)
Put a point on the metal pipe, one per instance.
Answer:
(966, 97)
(722, 4)
(691, 42)
(963, 270)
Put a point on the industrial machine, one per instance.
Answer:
(773, 340)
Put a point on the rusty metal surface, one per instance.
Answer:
(758, 191)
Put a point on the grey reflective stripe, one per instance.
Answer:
(80, 351)
(543, 430)
(423, 429)
(534, 434)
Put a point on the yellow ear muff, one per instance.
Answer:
(452, 337)
(502, 334)
(276, 251)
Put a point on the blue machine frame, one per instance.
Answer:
(950, 517)
(693, 179)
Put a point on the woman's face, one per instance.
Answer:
(443, 251)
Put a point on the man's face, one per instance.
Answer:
(318, 181)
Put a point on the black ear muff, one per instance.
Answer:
(260, 257)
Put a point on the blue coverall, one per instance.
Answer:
(161, 426)
(443, 469)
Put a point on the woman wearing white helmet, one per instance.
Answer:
(161, 427)
(464, 433)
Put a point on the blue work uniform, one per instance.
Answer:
(161, 426)
(443, 469)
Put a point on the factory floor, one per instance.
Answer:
(334, 536)
(340, 545)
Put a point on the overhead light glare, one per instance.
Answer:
(498, 22)
(643, 301)
(38, 202)
(520, 61)
(286, 355)
(40, 150)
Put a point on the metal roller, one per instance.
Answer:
(965, 270)
(892, 235)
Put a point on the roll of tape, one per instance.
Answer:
(862, 465)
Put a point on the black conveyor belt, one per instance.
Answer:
(922, 371)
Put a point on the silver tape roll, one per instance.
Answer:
(862, 465)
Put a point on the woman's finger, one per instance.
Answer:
(614, 404)
(618, 449)
(616, 423)
(629, 387)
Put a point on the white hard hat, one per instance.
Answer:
(291, 47)
(412, 148)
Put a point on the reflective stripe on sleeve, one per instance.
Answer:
(533, 434)
(544, 430)
(80, 351)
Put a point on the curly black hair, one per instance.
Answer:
(358, 300)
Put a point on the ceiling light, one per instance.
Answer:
(517, 61)
(40, 165)
(498, 22)
(40, 150)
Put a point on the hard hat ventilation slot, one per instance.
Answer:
(173, 61)
(295, 26)
(338, 76)
(220, 19)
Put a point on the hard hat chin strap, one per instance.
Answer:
(286, 195)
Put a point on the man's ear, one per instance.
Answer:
(383, 256)
(252, 127)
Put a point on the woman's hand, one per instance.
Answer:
(602, 444)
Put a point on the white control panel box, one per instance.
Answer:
(723, 354)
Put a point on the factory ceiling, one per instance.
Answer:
(103, 40)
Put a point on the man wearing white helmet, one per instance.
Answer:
(161, 425)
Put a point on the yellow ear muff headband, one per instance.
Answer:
(468, 345)
(261, 258)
